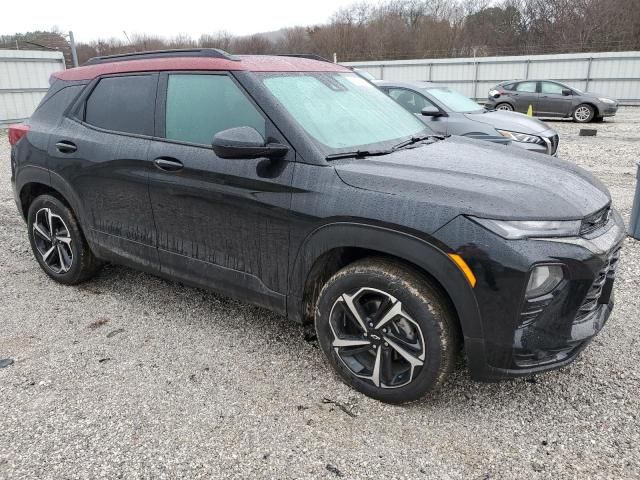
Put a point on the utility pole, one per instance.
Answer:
(74, 54)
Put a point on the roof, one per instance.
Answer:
(250, 63)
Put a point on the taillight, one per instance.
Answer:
(16, 132)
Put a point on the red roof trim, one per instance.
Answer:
(252, 63)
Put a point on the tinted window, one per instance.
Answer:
(508, 86)
(123, 104)
(412, 101)
(529, 87)
(199, 106)
(53, 105)
(554, 88)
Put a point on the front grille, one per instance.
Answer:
(595, 221)
(596, 294)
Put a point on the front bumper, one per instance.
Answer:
(521, 338)
(608, 110)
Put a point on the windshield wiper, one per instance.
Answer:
(413, 140)
(358, 154)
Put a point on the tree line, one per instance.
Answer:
(401, 29)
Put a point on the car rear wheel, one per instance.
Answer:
(57, 242)
(505, 107)
(385, 330)
(583, 113)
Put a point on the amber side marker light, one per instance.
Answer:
(462, 265)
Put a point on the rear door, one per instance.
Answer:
(552, 103)
(222, 224)
(525, 94)
(100, 152)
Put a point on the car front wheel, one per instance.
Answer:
(583, 113)
(386, 330)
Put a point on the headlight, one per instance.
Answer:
(494, 93)
(516, 229)
(607, 100)
(520, 137)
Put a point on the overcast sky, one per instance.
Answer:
(90, 20)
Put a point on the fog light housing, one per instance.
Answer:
(543, 279)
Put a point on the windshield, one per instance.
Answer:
(453, 100)
(342, 111)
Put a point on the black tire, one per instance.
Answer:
(423, 308)
(78, 262)
(583, 113)
(504, 106)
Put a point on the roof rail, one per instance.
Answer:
(186, 52)
(310, 56)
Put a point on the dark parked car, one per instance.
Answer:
(551, 99)
(448, 112)
(299, 186)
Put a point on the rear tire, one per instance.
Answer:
(504, 106)
(583, 113)
(58, 243)
(386, 330)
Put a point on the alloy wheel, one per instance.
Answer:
(505, 107)
(376, 339)
(582, 114)
(53, 241)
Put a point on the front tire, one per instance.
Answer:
(57, 242)
(583, 113)
(386, 330)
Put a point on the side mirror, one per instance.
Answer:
(245, 143)
(566, 92)
(430, 112)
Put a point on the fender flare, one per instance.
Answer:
(408, 247)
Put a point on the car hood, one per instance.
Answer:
(515, 122)
(462, 176)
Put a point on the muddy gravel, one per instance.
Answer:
(131, 376)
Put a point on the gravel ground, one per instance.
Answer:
(136, 377)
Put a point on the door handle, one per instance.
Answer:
(65, 146)
(168, 164)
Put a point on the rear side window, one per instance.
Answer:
(53, 106)
(123, 104)
(527, 87)
(199, 106)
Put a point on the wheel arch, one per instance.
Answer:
(596, 111)
(333, 246)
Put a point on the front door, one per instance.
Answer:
(552, 102)
(101, 154)
(414, 102)
(222, 224)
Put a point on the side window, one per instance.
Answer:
(199, 106)
(124, 104)
(509, 86)
(412, 101)
(553, 88)
(526, 87)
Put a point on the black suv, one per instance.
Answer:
(297, 185)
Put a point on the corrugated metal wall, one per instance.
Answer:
(24, 80)
(616, 74)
